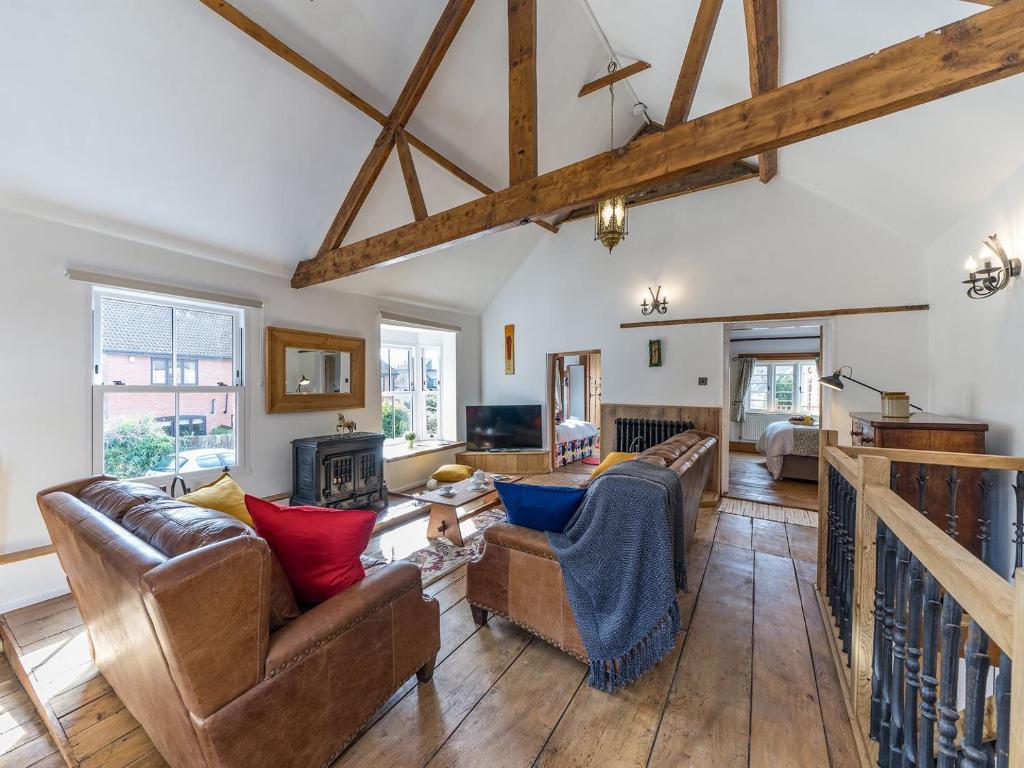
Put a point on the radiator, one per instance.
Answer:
(641, 434)
(756, 423)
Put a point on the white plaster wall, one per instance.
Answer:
(976, 361)
(45, 353)
(745, 248)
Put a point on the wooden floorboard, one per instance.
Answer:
(750, 681)
(707, 716)
(750, 479)
(786, 727)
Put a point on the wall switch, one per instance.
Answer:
(702, 381)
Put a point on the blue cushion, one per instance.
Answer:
(542, 507)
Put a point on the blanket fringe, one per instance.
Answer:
(611, 674)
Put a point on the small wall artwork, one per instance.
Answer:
(654, 353)
(510, 350)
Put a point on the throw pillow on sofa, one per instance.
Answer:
(541, 507)
(613, 458)
(223, 495)
(318, 548)
(452, 473)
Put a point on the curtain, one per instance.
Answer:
(817, 364)
(744, 369)
(557, 389)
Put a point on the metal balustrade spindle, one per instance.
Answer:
(952, 614)
(977, 662)
(915, 592)
(954, 486)
(929, 672)
(885, 724)
(1003, 711)
(878, 643)
(922, 488)
(1018, 523)
(899, 654)
(986, 484)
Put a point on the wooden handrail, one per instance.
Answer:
(983, 594)
(6, 558)
(968, 460)
(846, 465)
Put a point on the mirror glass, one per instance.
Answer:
(317, 372)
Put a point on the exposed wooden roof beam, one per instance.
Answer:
(697, 181)
(430, 59)
(693, 62)
(983, 48)
(620, 74)
(522, 90)
(762, 18)
(412, 181)
(244, 24)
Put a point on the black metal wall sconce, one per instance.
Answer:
(989, 280)
(658, 304)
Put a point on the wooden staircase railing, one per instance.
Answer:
(925, 634)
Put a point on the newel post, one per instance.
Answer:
(826, 438)
(872, 470)
(1017, 677)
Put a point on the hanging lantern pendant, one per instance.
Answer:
(611, 213)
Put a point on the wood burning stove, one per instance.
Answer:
(342, 471)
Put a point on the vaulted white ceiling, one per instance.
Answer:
(161, 120)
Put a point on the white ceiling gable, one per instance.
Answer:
(163, 117)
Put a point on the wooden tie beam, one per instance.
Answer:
(965, 54)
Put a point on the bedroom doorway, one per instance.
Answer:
(574, 410)
(774, 412)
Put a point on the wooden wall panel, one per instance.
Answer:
(705, 418)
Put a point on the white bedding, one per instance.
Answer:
(574, 429)
(775, 442)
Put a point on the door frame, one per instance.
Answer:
(549, 397)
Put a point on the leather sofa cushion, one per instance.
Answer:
(667, 453)
(517, 537)
(114, 498)
(174, 527)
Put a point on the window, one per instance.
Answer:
(784, 387)
(410, 386)
(167, 385)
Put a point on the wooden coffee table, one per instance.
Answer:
(446, 512)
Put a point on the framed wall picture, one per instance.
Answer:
(510, 350)
(654, 353)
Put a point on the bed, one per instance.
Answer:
(574, 440)
(790, 451)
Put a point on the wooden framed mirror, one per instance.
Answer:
(309, 371)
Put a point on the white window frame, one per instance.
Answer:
(236, 386)
(772, 406)
(419, 391)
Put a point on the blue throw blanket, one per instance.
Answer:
(620, 570)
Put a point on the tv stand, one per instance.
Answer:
(509, 462)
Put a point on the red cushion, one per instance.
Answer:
(318, 548)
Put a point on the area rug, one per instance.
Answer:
(440, 556)
(760, 511)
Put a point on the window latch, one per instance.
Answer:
(118, 383)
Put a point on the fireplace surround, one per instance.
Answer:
(342, 471)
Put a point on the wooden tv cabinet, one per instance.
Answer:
(508, 462)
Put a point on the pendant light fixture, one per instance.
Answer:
(610, 226)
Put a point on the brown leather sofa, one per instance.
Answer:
(194, 625)
(518, 577)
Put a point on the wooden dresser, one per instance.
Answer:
(931, 432)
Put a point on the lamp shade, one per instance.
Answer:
(833, 381)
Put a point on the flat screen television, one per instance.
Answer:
(503, 427)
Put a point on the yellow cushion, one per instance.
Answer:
(613, 458)
(452, 473)
(223, 495)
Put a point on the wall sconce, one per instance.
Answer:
(658, 304)
(988, 280)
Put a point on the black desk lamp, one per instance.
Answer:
(835, 381)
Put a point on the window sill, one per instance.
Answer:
(400, 451)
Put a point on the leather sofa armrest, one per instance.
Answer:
(332, 617)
